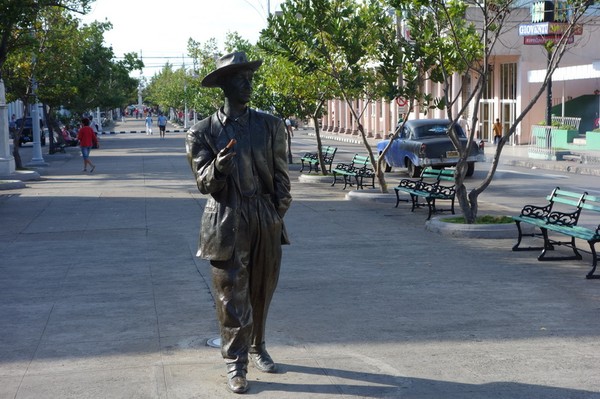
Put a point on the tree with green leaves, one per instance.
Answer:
(71, 67)
(18, 17)
(461, 37)
(353, 44)
(70, 64)
(287, 88)
(166, 88)
(19, 21)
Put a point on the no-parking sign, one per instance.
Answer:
(401, 102)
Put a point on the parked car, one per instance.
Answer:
(27, 132)
(424, 142)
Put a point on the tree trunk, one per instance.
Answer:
(378, 172)
(315, 119)
(289, 143)
(53, 127)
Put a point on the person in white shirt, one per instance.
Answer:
(148, 125)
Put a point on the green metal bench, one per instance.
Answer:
(429, 187)
(358, 170)
(565, 221)
(311, 159)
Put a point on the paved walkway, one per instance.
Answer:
(101, 296)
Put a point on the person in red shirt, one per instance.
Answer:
(87, 138)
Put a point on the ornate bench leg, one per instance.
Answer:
(516, 246)
(520, 237)
(347, 182)
(334, 179)
(574, 248)
(398, 199)
(549, 245)
(413, 200)
(591, 274)
(430, 207)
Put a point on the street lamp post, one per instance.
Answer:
(36, 159)
(549, 93)
(7, 161)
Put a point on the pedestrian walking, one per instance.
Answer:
(289, 127)
(497, 131)
(148, 125)
(162, 125)
(242, 227)
(87, 139)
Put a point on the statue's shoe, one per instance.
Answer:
(263, 361)
(237, 383)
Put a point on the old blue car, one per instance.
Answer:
(425, 142)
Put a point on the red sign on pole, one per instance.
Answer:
(401, 101)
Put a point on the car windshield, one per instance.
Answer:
(435, 130)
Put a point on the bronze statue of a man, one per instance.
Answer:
(242, 227)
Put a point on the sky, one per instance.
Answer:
(160, 30)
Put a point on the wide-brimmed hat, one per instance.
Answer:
(229, 64)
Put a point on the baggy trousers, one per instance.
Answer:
(244, 285)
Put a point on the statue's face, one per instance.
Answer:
(238, 86)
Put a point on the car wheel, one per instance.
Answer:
(470, 169)
(413, 170)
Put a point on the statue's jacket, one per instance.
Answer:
(221, 216)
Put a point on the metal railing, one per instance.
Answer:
(541, 145)
(570, 121)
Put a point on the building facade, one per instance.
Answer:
(509, 90)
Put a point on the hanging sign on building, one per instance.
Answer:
(549, 22)
(547, 28)
(543, 39)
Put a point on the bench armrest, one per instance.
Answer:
(344, 166)
(447, 191)
(536, 212)
(564, 219)
(425, 186)
(408, 183)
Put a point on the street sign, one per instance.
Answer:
(402, 103)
